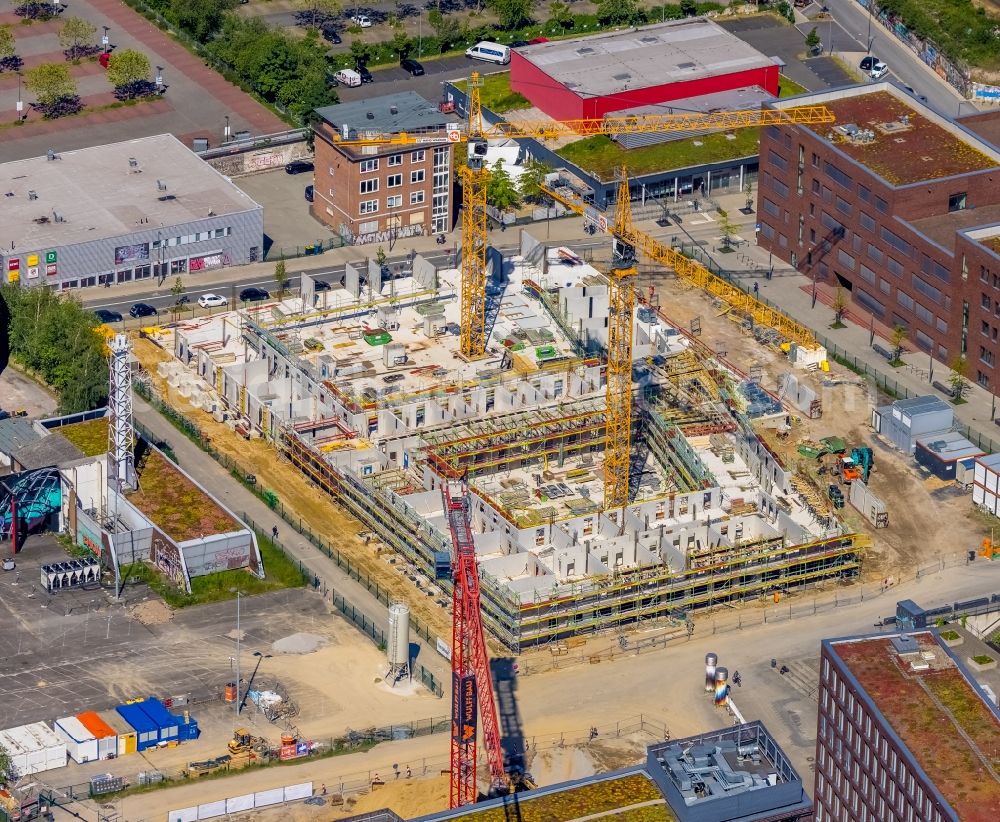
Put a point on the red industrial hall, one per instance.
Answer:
(592, 76)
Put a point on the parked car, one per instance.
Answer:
(211, 300)
(534, 41)
(142, 310)
(362, 20)
(108, 317)
(253, 295)
(298, 167)
(321, 285)
(366, 76)
(868, 62)
(390, 378)
(411, 67)
(518, 44)
(331, 35)
(879, 70)
(310, 191)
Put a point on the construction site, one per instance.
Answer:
(364, 389)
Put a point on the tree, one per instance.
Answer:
(202, 19)
(812, 40)
(840, 303)
(361, 52)
(317, 12)
(8, 46)
(748, 190)
(280, 277)
(381, 256)
(958, 380)
(619, 12)
(400, 43)
(128, 66)
(512, 14)
(688, 8)
(445, 32)
(8, 773)
(77, 37)
(899, 333)
(501, 192)
(177, 290)
(560, 14)
(530, 183)
(728, 228)
(50, 83)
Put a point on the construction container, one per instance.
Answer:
(942, 454)
(905, 420)
(81, 744)
(126, 737)
(172, 727)
(147, 732)
(987, 477)
(34, 748)
(871, 506)
(106, 736)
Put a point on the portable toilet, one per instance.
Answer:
(147, 732)
(106, 736)
(81, 744)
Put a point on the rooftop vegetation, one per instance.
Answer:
(91, 436)
(935, 712)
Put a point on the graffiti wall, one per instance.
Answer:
(255, 161)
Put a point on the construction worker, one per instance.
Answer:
(274, 532)
(756, 288)
(409, 773)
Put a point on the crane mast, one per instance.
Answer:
(474, 177)
(471, 682)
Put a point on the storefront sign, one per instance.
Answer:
(32, 271)
(32, 260)
(13, 269)
(50, 257)
(50, 269)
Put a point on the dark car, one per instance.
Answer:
(321, 285)
(298, 167)
(366, 76)
(106, 316)
(310, 190)
(411, 67)
(142, 310)
(519, 44)
(253, 295)
(868, 63)
(331, 35)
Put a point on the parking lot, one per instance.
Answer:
(195, 104)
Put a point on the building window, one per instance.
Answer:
(395, 160)
(778, 160)
(369, 165)
(368, 207)
(770, 207)
(417, 176)
(881, 205)
(894, 267)
(986, 356)
(394, 180)
(369, 186)
(845, 259)
(867, 221)
(956, 202)
(417, 156)
(815, 186)
(416, 197)
(815, 160)
(394, 202)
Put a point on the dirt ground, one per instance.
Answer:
(298, 495)
(918, 506)
(19, 393)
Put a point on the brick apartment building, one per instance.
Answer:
(379, 193)
(903, 734)
(899, 206)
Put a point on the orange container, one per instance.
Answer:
(230, 692)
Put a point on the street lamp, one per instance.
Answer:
(106, 40)
(20, 102)
(159, 78)
(225, 133)
(260, 658)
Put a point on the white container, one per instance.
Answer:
(398, 640)
(34, 748)
(81, 744)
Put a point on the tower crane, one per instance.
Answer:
(475, 176)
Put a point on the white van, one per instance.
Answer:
(490, 52)
(348, 77)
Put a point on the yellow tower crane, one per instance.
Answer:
(475, 175)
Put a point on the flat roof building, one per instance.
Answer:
(379, 193)
(899, 206)
(120, 212)
(586, 77)
(904, 733)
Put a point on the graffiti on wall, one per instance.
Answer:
(166, 557)
(387, 236)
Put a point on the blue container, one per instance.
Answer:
(166, 723)
(147, 732)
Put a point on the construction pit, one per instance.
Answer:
(363, 390)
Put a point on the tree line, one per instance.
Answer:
(56, 338)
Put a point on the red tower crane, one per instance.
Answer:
(471, 682)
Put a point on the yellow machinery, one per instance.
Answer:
(475, 176)
(245, 742)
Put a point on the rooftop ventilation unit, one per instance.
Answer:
(166, 198)
(57, 217)
(133, 163)
(51, 155)
(393, 109)
(32, 195)
(686, 65)
(161, 186)
(371, 115)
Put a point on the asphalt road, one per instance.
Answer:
(162, 299)
(903, 64)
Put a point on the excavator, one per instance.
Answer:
(858, 466)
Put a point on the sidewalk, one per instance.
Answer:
(791, 292)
